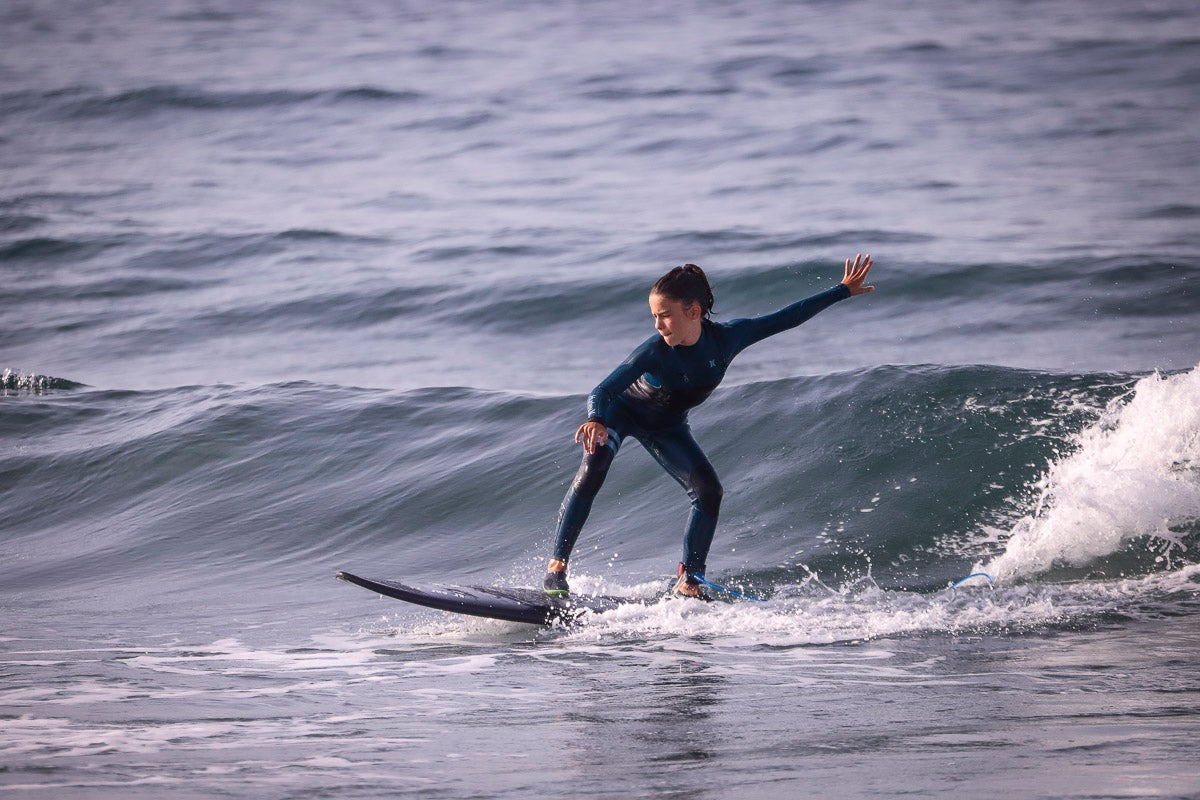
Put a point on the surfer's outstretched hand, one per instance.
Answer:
(591, 435)
(856, 274)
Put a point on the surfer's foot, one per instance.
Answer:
(555, 582)
(687, 586)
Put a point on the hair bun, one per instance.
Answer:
(688, 284)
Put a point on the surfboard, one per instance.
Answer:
(511, 604)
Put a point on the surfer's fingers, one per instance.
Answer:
(584, 437)
(858, 267)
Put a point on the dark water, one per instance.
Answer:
(289, 289)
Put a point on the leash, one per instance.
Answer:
(961, 581)
(726, 590)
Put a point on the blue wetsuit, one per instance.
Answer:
(648, 397)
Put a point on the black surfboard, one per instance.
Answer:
(495, 602)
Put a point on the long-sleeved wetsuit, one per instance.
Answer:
(648, 397)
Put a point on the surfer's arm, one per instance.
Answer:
(594, 432)
(748, 331)
(745, 332)
(600, 401)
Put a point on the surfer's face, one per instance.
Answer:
(676, 323)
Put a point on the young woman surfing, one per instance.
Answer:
(649, 395)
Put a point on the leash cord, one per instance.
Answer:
(702, 580)
(961, 581)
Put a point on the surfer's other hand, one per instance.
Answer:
(591, 434)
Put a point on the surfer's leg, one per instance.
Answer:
(578, 503)
(575, 509)
(676, 450)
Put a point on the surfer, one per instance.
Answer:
(649, 395)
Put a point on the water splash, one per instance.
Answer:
(12, 381)
(1134, 473)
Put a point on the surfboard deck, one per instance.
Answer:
(511, 604)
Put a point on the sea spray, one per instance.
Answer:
(16, 381)
(1134, 473)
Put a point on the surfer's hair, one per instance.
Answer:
(687, 284)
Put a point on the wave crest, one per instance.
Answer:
(1134, 473)
(13, 380)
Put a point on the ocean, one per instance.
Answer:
(293, 288)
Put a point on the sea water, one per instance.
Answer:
(292, 288)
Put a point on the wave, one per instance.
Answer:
(1132, 476)
(746, 241)
(1172, 211)
(84, 102)
(787, 71)
(40, 249)
(902, 475)
(14, 380)
(18, 223)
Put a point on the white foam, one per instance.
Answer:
(811, 613)
(815, 614)
(1134, 473)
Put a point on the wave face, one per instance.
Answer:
(901, 475)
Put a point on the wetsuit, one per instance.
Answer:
(648, 397)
